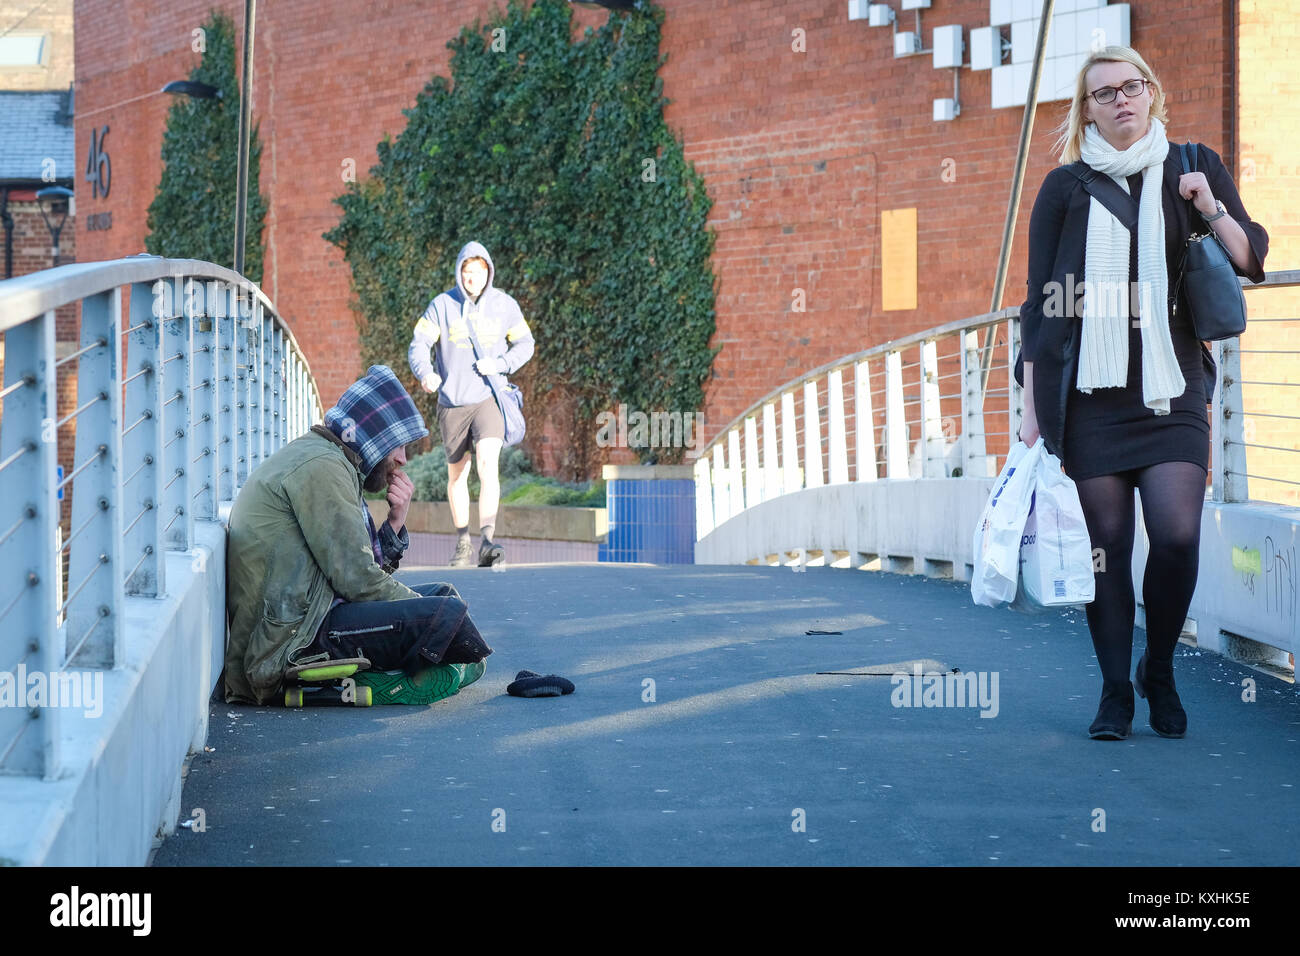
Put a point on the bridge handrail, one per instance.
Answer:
(186, 378)
(729, 481)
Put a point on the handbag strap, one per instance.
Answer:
(1107, 192)
(478, 355)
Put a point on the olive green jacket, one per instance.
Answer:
(297, 539)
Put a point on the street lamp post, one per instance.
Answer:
(54, 202)
(245, 117)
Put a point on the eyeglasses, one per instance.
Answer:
(1131, 89)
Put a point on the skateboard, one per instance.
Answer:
(327, 684)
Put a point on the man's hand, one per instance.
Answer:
(400, 490)
(489, 365)
(431, 382)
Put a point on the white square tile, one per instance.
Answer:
(1061, 40)
(1047, 82)
(1024, 34)
(905, 43)
(999, 12)
(1020, 82)
(1067, 70)
(1088, 4)
(1085, 21)
(916, 4)
(1024, 9)
(858, 9)
(1065, 6)
(1002, 86)
(947, 46)
(985, 48)
(1115, 24)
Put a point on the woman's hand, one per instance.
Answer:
(1029, 420)
(1195, 187)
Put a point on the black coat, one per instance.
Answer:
(1058, 232)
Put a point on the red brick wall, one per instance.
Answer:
(800, 151)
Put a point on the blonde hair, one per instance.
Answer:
(1070, 138)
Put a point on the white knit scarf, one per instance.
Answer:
(1103, 354)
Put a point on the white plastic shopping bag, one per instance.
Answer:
(1055, 550)
(996, 545)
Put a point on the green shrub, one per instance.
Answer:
(428, 472)
(540, 490)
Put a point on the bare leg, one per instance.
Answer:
(489, 498)
(458, 491)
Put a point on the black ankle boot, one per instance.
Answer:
(1155, 682)
(1115, 714)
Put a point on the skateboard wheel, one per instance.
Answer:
(365, 696)
(293, 697)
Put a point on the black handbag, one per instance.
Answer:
(1207, 279)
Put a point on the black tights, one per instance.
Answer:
(1173, 494)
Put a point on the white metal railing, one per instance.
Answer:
(185, 380)
(927, 414)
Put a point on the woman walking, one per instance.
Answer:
(1118, 389)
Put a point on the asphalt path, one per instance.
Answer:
(706, 730)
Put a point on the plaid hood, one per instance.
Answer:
(374, 416)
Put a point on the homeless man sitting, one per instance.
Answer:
(308, 575)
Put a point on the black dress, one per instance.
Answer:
(1111, 430)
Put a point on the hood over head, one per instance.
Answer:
(469, 251)
(374, 416)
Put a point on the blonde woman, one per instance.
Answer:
(1117, 388)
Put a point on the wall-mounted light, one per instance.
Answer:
(605, 4)
(193, 88)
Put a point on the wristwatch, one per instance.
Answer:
(1218, 215)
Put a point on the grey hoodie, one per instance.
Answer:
(499, 324)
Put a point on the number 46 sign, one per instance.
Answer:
(99, 172)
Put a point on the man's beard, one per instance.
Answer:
(378, 478)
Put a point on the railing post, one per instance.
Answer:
(246, 376)
(29, 737)
(1229, 445)
(753, 477)
(975, 459)
(735, 477)
(812, 438)
(932, 437)
(703, 498)
(200, 472)
(895, 418)
(864, 423)
(839, 441)
(265, 399)
(176, 421)
(225, 464)
(771, 465)
(142, 448)
(721, 494)
(95, 572)
(793, 479)
(278, 389)
(1015, 400)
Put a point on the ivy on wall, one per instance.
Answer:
(555, 155)
(193, 214)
